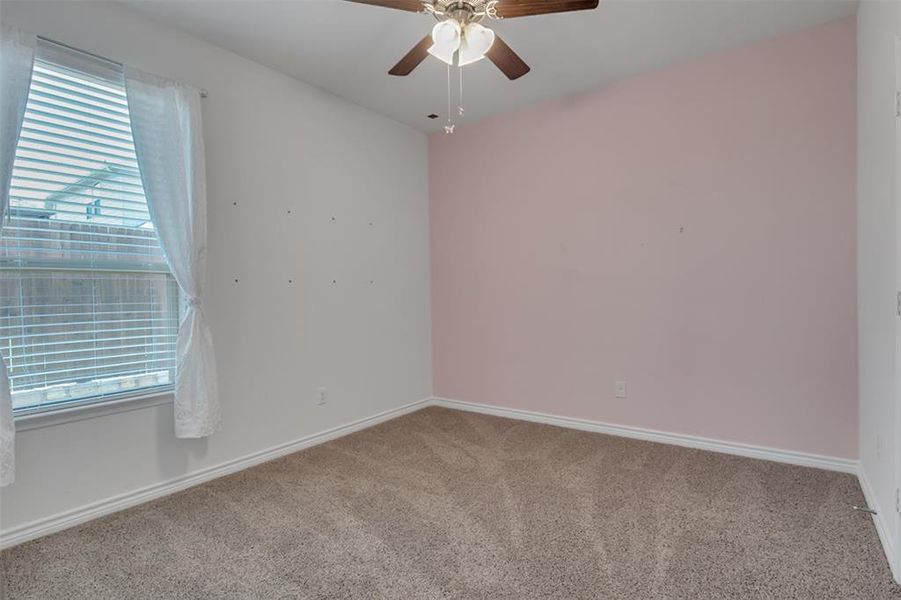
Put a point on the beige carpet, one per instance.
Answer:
(445, 504)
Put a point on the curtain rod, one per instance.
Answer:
(203, 92)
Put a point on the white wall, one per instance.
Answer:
(273, 145)
(877, 171)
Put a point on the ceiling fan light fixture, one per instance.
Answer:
(446, 37)
(477, 40)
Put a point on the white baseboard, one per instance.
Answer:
(70, 518)
(879, 520)
(803, 459)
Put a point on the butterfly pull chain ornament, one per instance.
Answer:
(449, 126)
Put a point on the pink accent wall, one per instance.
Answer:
(690, 231)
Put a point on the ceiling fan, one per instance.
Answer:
(460, 39)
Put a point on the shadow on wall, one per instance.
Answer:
(175, 455)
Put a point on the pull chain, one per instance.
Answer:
(449, 128)
(460, 107)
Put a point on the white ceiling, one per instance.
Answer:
(347, 48)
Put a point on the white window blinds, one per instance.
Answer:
(89, 309)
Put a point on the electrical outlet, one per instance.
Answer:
(323, 396)
(620, 389)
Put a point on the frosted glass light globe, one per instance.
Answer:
(477, 40)
(446, 37)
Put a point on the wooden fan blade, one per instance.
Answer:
(412, 59)
(523, 8)
(408, 5)
(505, 59)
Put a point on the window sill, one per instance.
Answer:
(38, 419)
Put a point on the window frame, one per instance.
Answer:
(56, 413)
(69, 412)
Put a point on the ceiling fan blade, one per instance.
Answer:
(505, 59)
(408, 5)
(412, 59)
(508, 9)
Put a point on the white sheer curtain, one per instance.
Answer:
(16, 61)
(165, 121)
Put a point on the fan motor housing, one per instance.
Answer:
(463, 11)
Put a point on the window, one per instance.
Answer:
(88, 308)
